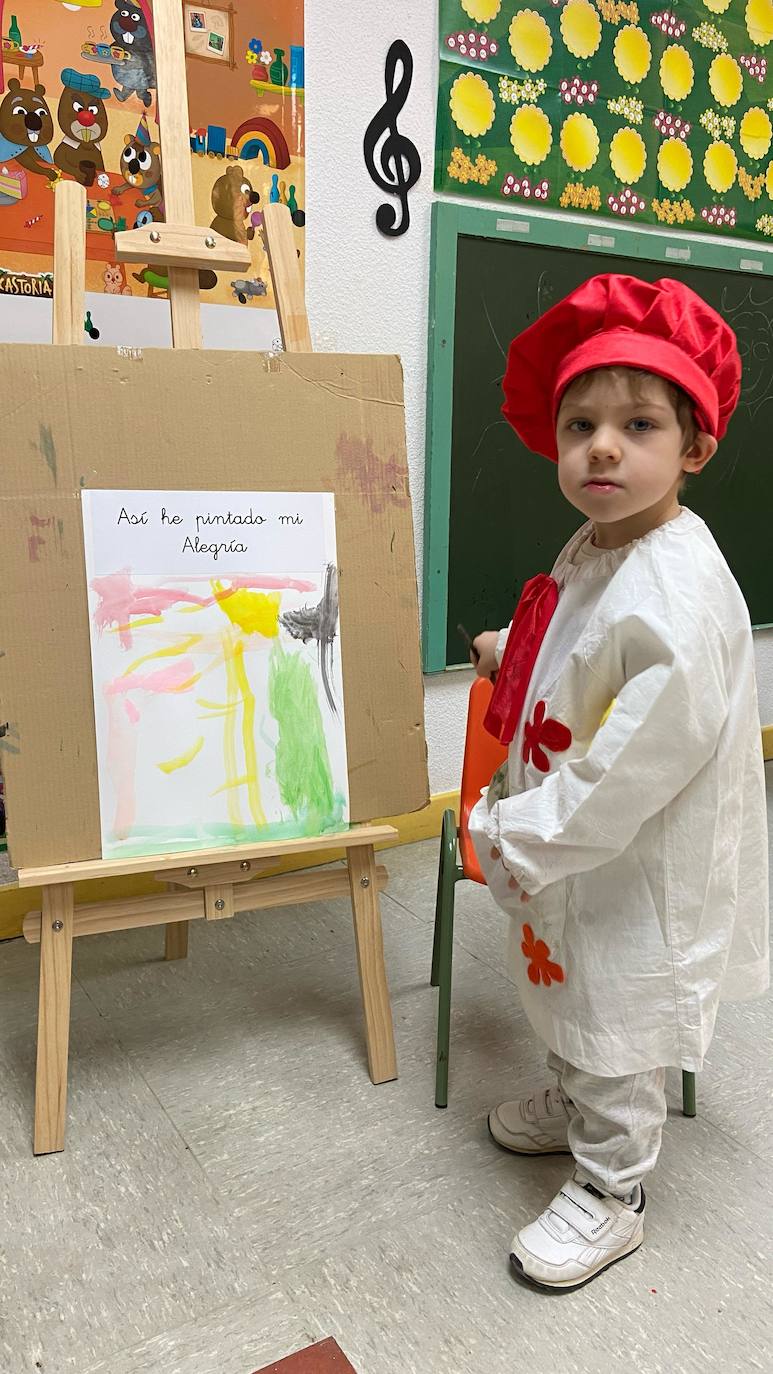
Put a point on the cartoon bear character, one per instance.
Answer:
(114, 278)
(232, 196)
(136, 75)
(26, 129)
(83, 120)
(141, 170)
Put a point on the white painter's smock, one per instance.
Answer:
(639, 831)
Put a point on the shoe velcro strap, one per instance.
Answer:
(587, 1214)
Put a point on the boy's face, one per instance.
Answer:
(621, 454)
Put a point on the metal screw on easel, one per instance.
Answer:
(245, 865)
(57, 925)
(155, 237)
(220, 904)
(193, 873)
(364, 882)
(209, 242)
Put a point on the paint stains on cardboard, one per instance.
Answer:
(47, 448)
(380, 481)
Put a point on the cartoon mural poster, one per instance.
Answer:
(78, 100)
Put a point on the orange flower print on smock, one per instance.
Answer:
(541, 734)
(541, 968)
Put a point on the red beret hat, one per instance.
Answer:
(661, 327)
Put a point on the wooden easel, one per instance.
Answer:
(214, 884)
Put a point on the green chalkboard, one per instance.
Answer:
(505, 516)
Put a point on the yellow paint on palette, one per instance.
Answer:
(173, 651)
(253, 612)
(182, 760)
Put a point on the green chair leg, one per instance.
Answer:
(442, 953)
(688, 1093)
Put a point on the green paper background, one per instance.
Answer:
(495, 143)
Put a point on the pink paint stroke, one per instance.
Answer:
(168, 679)
(121, 765)
(120, 599)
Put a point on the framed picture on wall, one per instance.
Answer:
(209, 32)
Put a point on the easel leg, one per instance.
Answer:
(53, 1018)
(176, 946)
(379, 1035)
(176, 940)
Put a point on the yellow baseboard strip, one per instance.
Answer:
(767, 742)
(14, 904)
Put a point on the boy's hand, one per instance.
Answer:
(512, 883)
(485, 646)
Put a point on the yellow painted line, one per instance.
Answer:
(182, 760)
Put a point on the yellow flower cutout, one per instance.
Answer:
(756, 132)
(725, 79)
(482, 11)
(632, 53)
(579, 142)
(531, 134)
(717, 6)
(580, 28)
(674, 164)
(472, 104)
(769, 181)
(530, 40)
(677, 73)
(720, 166)
(628, 155)
(759, 21)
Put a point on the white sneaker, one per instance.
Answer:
(578, 1236)
(532, 1126)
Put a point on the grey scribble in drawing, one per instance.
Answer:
(750, 316)
(319, 622)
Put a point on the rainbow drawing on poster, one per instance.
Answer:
(216, 668)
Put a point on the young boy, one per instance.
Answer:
(626, 836)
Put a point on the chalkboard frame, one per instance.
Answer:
(450, 221)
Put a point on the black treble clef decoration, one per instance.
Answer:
(399, 166)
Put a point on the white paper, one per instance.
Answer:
(216, 667)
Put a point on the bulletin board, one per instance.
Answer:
(494, 515)
(224, 422)
(628, 109)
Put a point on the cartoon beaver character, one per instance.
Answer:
(26, 129)
(83, 120)
(141, 171)
(232, 196)
(114, 278)
(136, 75)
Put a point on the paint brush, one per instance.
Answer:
(473, 652)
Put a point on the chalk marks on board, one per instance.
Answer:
(749, 310)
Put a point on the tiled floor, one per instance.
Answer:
(234, 1188)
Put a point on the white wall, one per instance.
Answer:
(367, 293)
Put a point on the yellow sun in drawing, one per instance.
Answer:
(580, 28)
(579, 142)
(472, 104)
(725, 79)
(531, 134)
(530, 41)
(482, 11)
(628, 155)
(756, 132)
(759, 21)
(720, 166)
(677, 73)
(674, 164)
(632, 53)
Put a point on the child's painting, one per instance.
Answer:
(216, 666)
(632, 109)
(78, 100)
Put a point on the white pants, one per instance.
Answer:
(615, 1124)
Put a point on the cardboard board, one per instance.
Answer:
(70, 420)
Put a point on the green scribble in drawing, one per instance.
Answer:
(303, 770)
